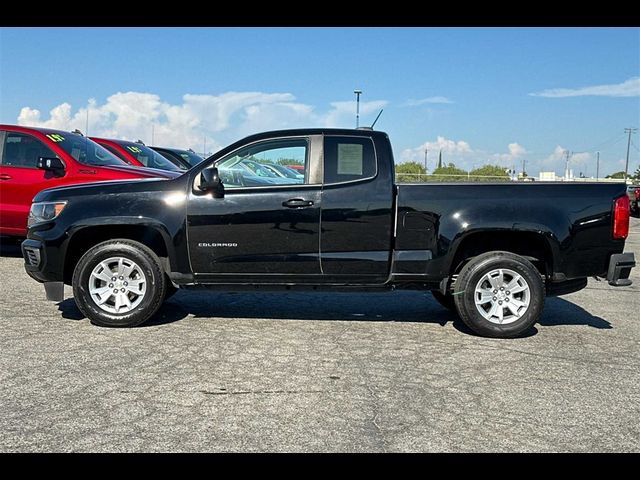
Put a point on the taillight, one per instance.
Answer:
(621, 218)
(637, 194)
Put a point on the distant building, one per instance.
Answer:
(547, 176)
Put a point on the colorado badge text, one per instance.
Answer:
(216, 244)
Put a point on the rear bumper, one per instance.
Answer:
(620, 266)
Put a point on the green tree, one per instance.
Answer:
(450, 173)
(489, 173)
(440, 159)
(636, 175)
(289, 161)
(410, 172)
(616, 175)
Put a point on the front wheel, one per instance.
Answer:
(499, 294)
(119, 283)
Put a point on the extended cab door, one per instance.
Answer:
(357, 209)
(266, 227)
(20, 180)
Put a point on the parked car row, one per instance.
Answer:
(633, 191)
(33, 159)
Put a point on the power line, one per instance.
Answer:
(614, 140)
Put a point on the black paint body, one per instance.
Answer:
(369, 233)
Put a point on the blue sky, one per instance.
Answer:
(465, 91)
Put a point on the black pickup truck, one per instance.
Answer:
(492, 252)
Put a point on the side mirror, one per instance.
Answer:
(210, 182)
(53, 164)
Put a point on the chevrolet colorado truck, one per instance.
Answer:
(492, 252)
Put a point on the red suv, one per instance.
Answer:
(32, 159)
(137, 153)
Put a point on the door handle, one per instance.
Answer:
(297, 203)
(4, 176)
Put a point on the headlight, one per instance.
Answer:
(44, 211)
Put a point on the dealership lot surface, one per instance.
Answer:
(317, 372)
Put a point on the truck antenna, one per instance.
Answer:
(374, 122)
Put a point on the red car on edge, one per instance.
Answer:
(32, 159)
(137, 153)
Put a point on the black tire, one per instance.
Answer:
(470, 276)
(446, 301)
(148, 262)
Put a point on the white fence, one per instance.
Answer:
(422, 177)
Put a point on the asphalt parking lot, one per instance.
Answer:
(317, 372)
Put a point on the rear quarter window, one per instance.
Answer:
(348, 159)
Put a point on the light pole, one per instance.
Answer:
(358, 93)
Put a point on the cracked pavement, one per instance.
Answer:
(317, 372)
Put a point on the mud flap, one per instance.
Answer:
(54, 291)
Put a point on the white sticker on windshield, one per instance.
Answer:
(349, 159)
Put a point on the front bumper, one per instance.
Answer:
(620, 266)
(35, 263)
(34, 256)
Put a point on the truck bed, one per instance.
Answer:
(574, 219)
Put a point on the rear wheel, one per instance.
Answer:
(499, 294)
(119, 283)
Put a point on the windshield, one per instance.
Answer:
(149, 158)
(287, 172)
(85, 150)
(191, 158)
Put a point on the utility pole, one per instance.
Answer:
(86, 127)
(597, 166)
(358, 93)
(204, 147)
(426, 150)
(629, 130)
(566, 165)
(152, 135)
(523, 170)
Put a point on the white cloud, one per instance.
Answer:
(628, 88)
(220, 118)
(452, 151)
(461, 154)
(437, 99)
(515, 152)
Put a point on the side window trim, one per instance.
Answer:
(357, 180)
(24, 134)
(313, 163)
(3, 135)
